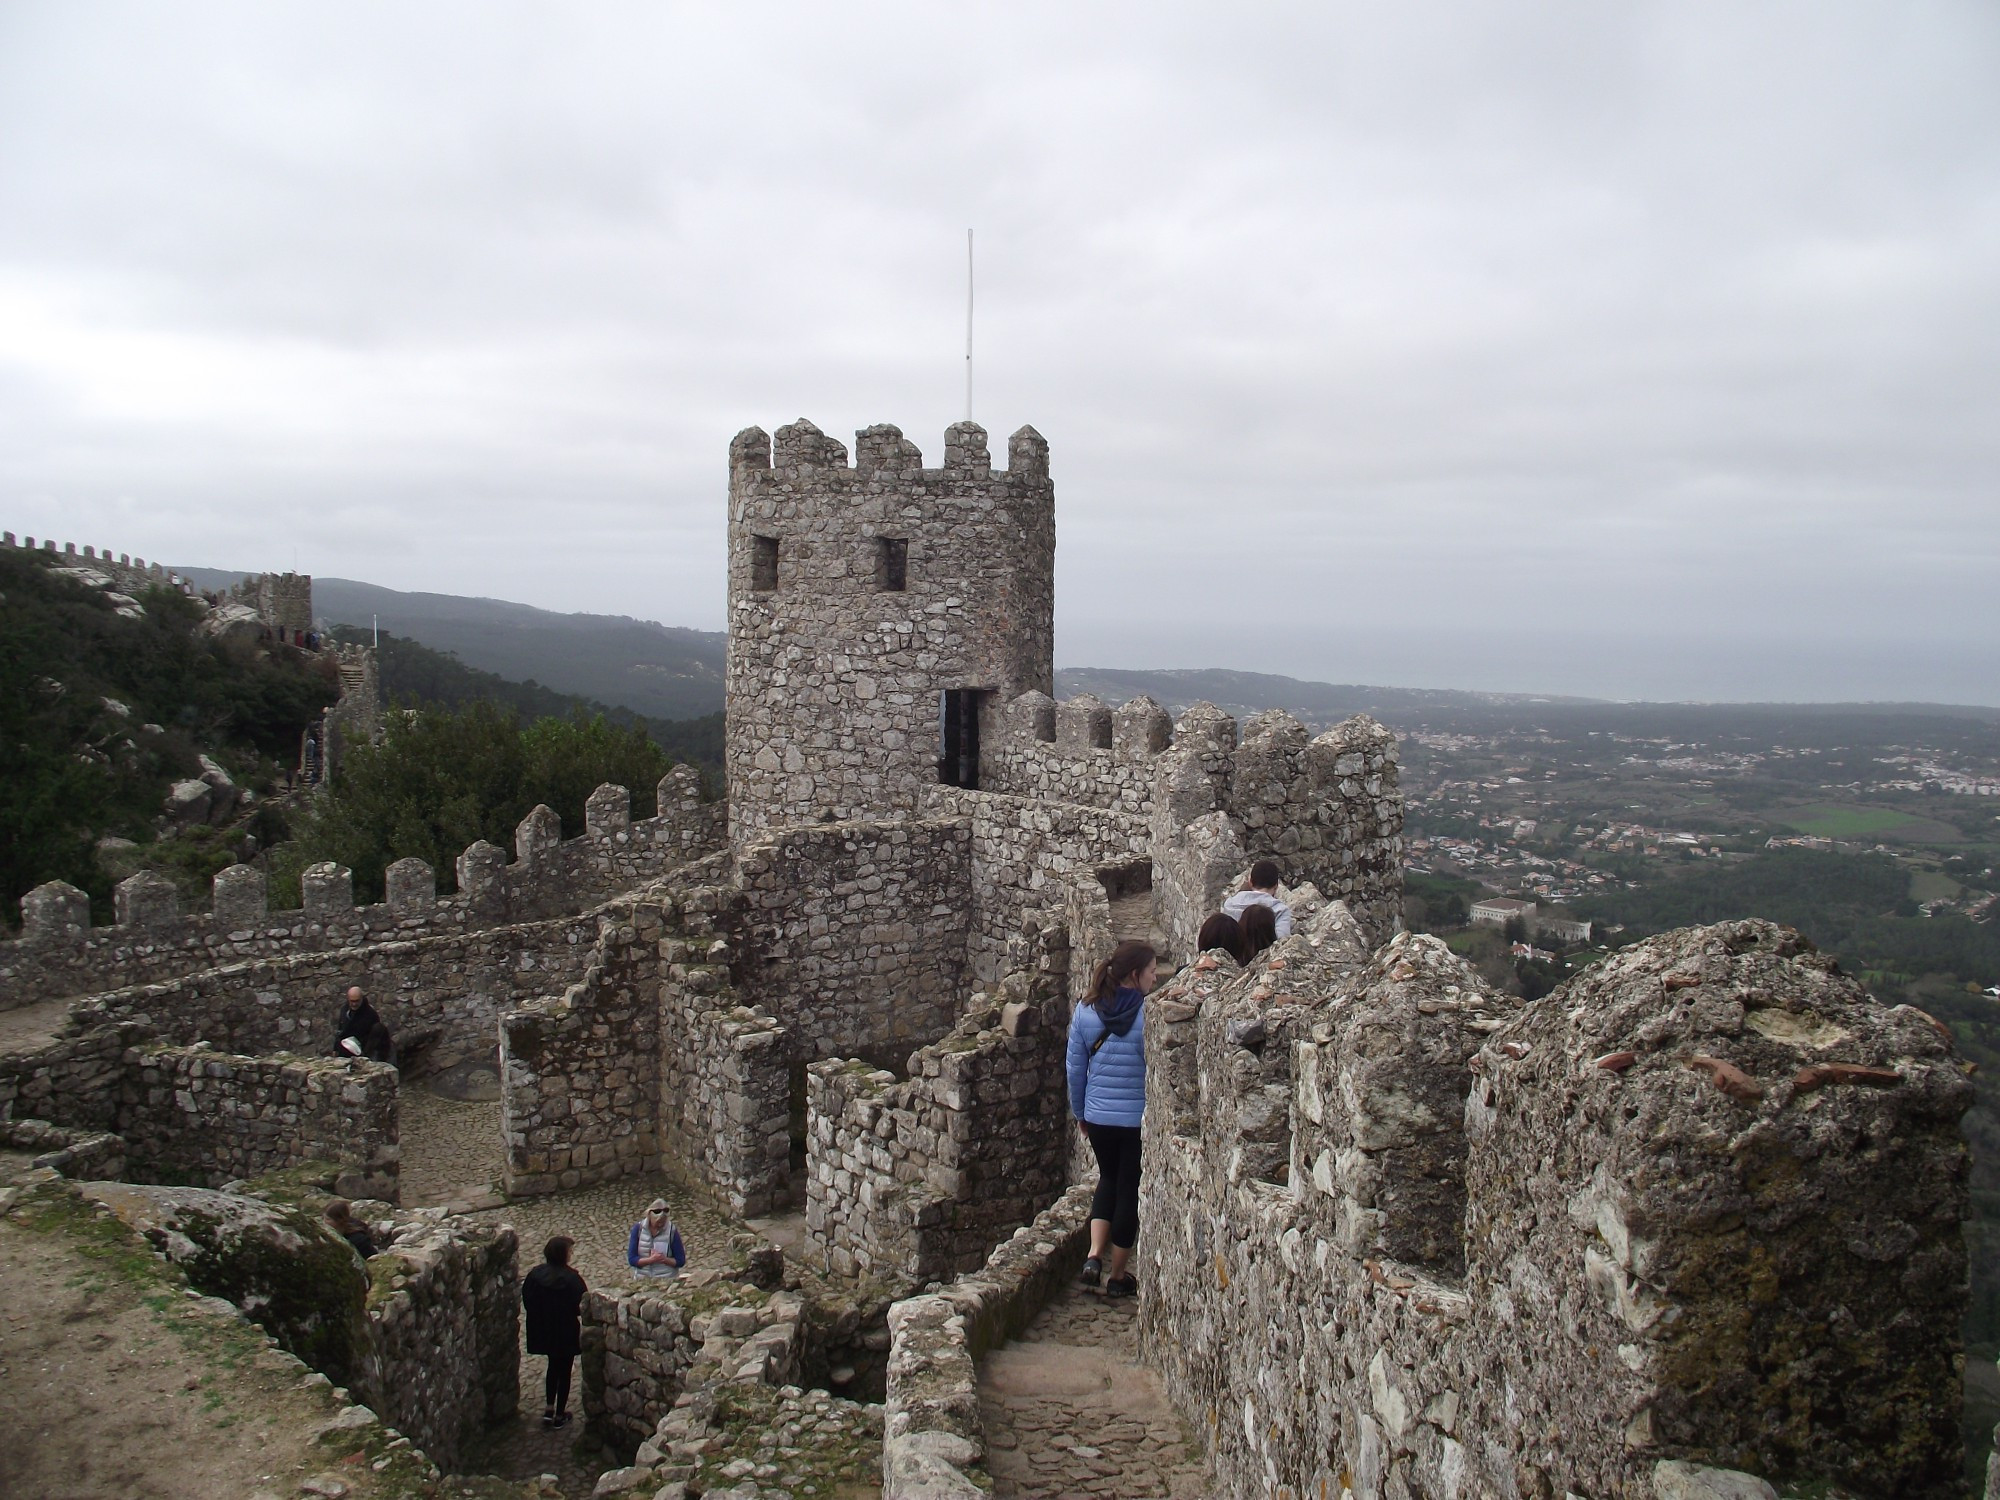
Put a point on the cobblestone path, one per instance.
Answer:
(451, 1149)
(1070, 1411)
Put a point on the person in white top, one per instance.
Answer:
(1260, 888)
(654, 1249)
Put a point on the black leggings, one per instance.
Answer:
(555, 1385)
(1117, 1195)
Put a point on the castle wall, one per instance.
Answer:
(442, 1362)
(580, 1070)
(918, 1179)
(191, 1115)
(650, 1056)
(441, 997)
(835, 675)
(1679, 1185)
(60, 953)
(1024, 856)
(858, 934)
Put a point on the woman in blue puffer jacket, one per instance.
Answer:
(1107, 1094)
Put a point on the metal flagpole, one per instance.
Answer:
(968, 325)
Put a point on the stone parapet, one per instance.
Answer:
(1677, 1186)
(60, 953)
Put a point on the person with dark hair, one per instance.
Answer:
(1259, 929)
(552, 1299)
(1221, 932)
(1107, 1093)
(1260, 888)
(340, 1219)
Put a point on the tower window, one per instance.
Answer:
(892, 564)
(958, 737)
(763, 563)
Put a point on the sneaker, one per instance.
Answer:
(560, 1419)
(1093, 1271)
(1122, 1286)
(548, 1419)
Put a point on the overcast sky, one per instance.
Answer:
(1633, 350)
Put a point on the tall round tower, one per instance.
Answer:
(873, 609)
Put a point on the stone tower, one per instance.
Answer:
(873, 610)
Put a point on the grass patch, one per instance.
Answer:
(1830, 820)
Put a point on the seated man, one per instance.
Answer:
(1261, 889)
(355, 1026)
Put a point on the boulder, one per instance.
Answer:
(233, 621)
(280, 1265)
(189, 803)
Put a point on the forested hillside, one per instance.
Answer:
(105, 705)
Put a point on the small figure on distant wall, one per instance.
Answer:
(340, 1219)
(358, 1030)
(551, 1299)
(654, 1248)
(1260, 888)
(1106, 1063)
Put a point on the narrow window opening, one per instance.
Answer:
(892, 564)
(958, 738)
(1100, 732)
(763, 563)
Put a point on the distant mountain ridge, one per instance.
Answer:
(671, 672)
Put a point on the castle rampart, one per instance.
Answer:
(1674, 1188)
(60, 953)
(871, 609)
(128, 574)
(192, 1114)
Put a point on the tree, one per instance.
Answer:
(442, 780)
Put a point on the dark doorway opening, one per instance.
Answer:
(958, 738)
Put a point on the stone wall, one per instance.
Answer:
(1077, 750)
(580, 1070)
(60, 953)
(1025, 855)
(933, 1441)
(1706, 1198)
(855, 933)
(72, 1082)
(443, 1350)
(191, 1115)
(441, 996)
(858, 596)
(643, 1347)
(82, 1155)
(917, 1179)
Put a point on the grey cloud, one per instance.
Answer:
(1641, 349)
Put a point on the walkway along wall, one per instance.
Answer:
(1702, 1203)
(60, 953)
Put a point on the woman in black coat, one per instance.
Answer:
(552, 1297)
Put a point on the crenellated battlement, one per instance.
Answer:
(152, 941)
(874, 606)
(1701, 1204)
(123, 570)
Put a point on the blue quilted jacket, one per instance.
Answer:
(1108, 1088)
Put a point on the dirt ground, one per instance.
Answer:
(117, 1384)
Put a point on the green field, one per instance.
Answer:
(1834, 821)
(1933, 885)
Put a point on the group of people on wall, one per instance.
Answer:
(1106, 1064)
